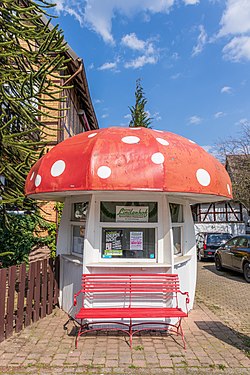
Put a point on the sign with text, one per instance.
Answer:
(136, 240)
(132, 214)
(113, 243)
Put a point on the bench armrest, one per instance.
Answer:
(76, 295)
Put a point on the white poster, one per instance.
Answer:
(136, 240)
(132, 214)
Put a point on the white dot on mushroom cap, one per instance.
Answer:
(191, 141)
(57, 168)
(32, 176)
(38, 180)
(131, 139)
(92, 135)
(203, 177)
(135, 128)
(162, 141)
(104, 171)
(228, 189)
(157, 158)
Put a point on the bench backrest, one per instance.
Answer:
(130, 289)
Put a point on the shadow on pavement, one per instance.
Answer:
(225, 334)
(229, 274)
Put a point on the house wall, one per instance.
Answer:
(230, 216)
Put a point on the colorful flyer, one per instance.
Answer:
(136, 240)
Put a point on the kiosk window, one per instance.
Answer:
(79, 211)
(128, 243)
(78, 239)
(176, 212)
(128, 212)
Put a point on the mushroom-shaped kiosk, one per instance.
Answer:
(127, 194)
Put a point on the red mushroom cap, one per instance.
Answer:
(128, 159)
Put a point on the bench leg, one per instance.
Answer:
(180, 332)
(78, 335)
(130, 333)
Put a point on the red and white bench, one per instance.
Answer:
(113, 298)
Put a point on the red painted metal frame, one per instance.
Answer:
(129, 291)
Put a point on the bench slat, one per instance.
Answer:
(140, 313)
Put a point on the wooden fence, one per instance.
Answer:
(27, 293)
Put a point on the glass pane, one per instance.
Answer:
(177, 240)
(79, 211)
(78, 239)
(176, 211)
(128, 243)
(129, 212)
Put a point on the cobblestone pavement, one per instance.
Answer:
(211, 330)
(227, 294)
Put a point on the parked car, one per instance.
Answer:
(208, 242)
(235, 255)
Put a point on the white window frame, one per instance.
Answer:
(74, 223)
(177, 225)
(134, 225)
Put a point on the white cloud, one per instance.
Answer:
(105, 115)
(201, 41)
(97, 101)
(99, 14)
(243, 121)
(235, 23)
(207, 147)
(235, 19)
(136, 44)
(156, 116)
(141, 61)
(128, 116)
(226, 90)
(175, 76)
(194, 120)
(131, 41)
(108, 66)
(212, 150)
(191, 2)
(237, 49)
(175, 56)
(219, 114)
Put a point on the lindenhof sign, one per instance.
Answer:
(131, 214)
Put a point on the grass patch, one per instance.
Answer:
(138, 347)
(221, 366)
(132, 366)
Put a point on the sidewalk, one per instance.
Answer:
(46, 348)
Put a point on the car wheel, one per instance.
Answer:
(246, 272)
(218, 264)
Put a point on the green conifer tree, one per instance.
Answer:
(32, 58)
(139, 117)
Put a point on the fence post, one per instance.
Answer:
(44, 288)
(37, 289)
(20, 298)
(56, 279)
(10, 301)
(3, 279)
(50, 286)
(30, 293)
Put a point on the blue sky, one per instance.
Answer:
(193, 57)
